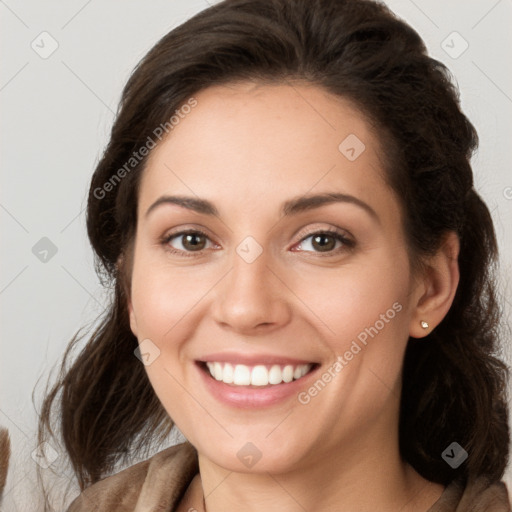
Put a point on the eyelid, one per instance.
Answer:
(186, 229)
(308, 231)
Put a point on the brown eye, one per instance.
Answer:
(186, 242)
(193, 241)
(323, 242)
(329, 242)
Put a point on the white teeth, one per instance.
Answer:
(228, 373)
(242, 375)
(275, 375)
(288, 373)
(217, 371)
(259, 375)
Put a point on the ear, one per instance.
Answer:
(436, 288)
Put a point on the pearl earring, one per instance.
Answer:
(424, 324)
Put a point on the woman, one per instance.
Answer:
(302, 277)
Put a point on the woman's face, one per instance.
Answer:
(292, 285)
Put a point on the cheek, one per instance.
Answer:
(161, 301)
(161, 297)
(359, 301)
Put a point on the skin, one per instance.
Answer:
(247, 148)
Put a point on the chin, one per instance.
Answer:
(259, 455)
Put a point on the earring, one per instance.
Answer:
(424, 324)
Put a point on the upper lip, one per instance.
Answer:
(252, 359)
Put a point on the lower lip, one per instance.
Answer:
(253, 397)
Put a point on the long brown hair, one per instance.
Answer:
(454, 386)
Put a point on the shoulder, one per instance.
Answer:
(477, 495)
(154, 484)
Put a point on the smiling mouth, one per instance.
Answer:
(258, 375)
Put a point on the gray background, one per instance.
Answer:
(57, 112)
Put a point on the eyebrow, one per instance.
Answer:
(290, 207)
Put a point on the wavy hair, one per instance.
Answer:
(454, 384)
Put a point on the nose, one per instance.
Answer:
(252, 298)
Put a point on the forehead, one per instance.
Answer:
(252, 141)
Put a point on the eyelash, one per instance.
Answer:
(347, 243)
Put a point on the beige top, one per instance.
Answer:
(159, 483)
